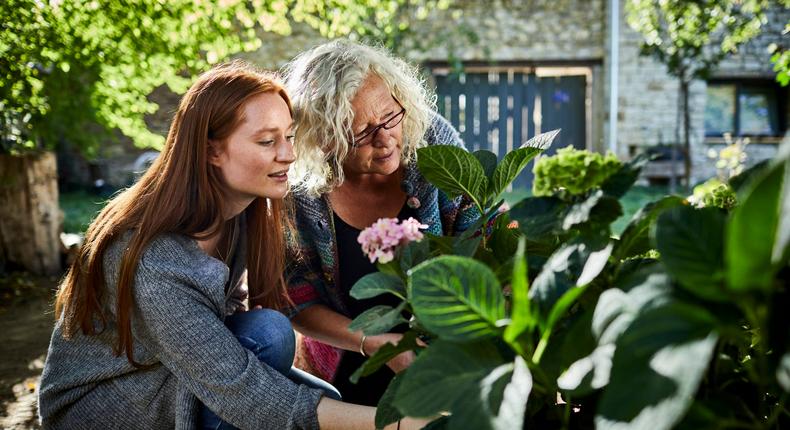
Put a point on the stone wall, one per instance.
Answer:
(543, 32)
(751, 61)
(512, 30)
(577, 30)
(648, 108)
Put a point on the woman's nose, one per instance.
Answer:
(381, 137)
(285, 153)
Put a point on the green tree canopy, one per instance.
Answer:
(78, 70)
(692, 37)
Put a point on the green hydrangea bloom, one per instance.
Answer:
(572, 171)
(714, 193)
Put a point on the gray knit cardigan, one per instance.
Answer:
(180, 302)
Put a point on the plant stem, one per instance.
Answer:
(544, 341)
(777, 411)
(734, 424)
(540, 377)
(566, 418)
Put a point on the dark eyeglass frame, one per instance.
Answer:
(392, 122)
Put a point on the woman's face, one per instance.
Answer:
(380, 153)
(254, 159)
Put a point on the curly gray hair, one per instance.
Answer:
(322, 82)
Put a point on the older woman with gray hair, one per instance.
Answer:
(360, 115)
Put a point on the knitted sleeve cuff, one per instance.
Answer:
(305, 413)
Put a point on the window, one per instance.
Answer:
(745, 108)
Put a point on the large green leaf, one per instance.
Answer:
(539, 217)
(635, 239)
(386, 412)
(580, 212)
(442, 244)
(377, 283)
(596, 209)
(622, 180)
(574, 264)
(542, 141)
(607, 211)
(467, 247)
(498, 402)
(691, 243)
(616, 309)
(563, 304)
(503, 240)
(783, 372)
(414, 253)
(440, 375)
(514, 400)
(746, 177)
(665, 353)
(488, 160)
(507, 171)
(571, 341)
(589, 373)
(384, 354)
(521, 319)
(441, 423)
(378, 319)
(557, 311)
(753, 231)
(781, 251)
(452, 170)
(457, 298)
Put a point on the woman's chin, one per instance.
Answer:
(274, 193)
(388, 168)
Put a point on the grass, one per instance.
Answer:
(79, 209)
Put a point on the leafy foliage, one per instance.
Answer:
(714, 193)
(687, 305)
(78, 70)
(780, 56)
(575, 171)
(692, 37)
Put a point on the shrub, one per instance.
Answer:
(679, 322)
(572, 170)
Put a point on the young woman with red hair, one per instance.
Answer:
(148, 333)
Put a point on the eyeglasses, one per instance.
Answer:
(366, 137)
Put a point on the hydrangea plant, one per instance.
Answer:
(680, 322)
(572, 171)
(381, 240)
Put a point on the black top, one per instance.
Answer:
(353, 265)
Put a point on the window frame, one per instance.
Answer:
(781, 106)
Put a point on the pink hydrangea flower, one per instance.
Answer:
(381, 240)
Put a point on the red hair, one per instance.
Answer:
(180, 193)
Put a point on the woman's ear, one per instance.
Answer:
(214, 149)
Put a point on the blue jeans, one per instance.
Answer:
(269, 335)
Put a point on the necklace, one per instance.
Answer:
(229, 244)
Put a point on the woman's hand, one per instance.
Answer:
(409, 423)
(333, 414)
(401, 361)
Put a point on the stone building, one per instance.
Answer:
(539, 65)
(557, 59)
(578, 34)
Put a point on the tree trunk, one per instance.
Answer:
(684, 93)
(30, 217)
